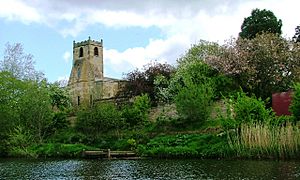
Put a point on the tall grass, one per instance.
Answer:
(265, 141)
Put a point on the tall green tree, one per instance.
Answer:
(260, 21)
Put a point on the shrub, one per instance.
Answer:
(185, 145)
(295, 105)
(251, 110)
(137, 113)
(193, 102)
(103, 117)
(243, 109)
(59, 150)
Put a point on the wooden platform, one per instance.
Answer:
(110, 154)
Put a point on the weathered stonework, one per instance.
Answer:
(87, 83)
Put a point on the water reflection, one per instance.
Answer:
(147, 169)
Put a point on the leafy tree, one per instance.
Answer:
(263, 65)
(193, 102)
(142, 82)
(137, 113)
(59, 96)
(24, 98)
(20, 64)
(103, 117)
(296, 37)
(35, 110)
(11, 91)
(260, 21)
(193, 69)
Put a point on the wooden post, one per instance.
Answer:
(108, 154)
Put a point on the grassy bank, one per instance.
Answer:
(50, 150)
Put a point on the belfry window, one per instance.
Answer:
(96, 53)
(81, 52)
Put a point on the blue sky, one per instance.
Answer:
(134, 32)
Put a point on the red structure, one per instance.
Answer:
(281, 103)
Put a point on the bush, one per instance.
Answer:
(59, 150)
(137, 113)
(251, 110)
(103, 117)
(186, 145)
(243, 109)
(295, 105)
(193, 102)
(68, 136)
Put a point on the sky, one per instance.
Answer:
(134, 32)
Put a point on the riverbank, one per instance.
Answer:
(248, 142)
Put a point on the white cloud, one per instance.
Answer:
(67, 56)
(17, 10)
(181, 22)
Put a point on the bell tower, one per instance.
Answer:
(87, 68)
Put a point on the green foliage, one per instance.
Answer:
(69, 136)
(137, 113)
(58, 122)
(142, 81)
(11, 91)
(60, 97)
(103, 117)
(251, 110)
(295, 104)
(260, 21)
(187, 145)
(35, 110)
(282, 121)
(193, 102)
(243, 109)
(18, 141)
(59, 150)
(24, 103)
(265, 64)
(193, 68)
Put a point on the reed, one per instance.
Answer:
(265, 141)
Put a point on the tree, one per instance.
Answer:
(103, 117)
(137, 113)
(142, 82)
(260, 21)
(192, 69)
(20, 64)
(59, 96)
(296, 37)
(262, 65)
(35, 110)
(193, 102)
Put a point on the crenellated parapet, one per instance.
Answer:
(87, 42)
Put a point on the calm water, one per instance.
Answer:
(147, 169)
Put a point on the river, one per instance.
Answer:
(147, 169)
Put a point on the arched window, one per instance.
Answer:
(96, 51)
(81, 52)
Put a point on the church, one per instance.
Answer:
(87, 83)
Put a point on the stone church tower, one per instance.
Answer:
(87, 82)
